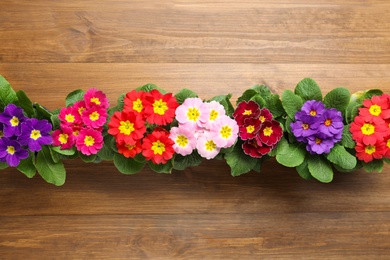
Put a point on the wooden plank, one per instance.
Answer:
(204, 32)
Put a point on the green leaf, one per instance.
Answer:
(127, 165)
(341, 157)
(375, 165)
(320, 168)
(7, 94)
(291, 103)
(55, 121)
(54, 155)
(69, 152)
(290, 155)
(25, 103)
(372, 92)
(182, 162)
(51, 172)
(338, 98)
(3, 165)
(352, 110)
(247, 95)
(308, 89)
(346, 139)
(303, 171)
(263, 90)
(184, 94)
(74, 96)
(27, 166)
(121, 102)
(42, 112)
(259, 100)
(150, 87)
(162, 168)
(274, 105)
(386, 160)
(87, 158)
(224, 100)
(239, 162)
(105, 153)
(259, 163)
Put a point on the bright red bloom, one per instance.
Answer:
(265, 115)
(369, 152)
(126, 127)
(250, 129)
(128, 150)
(270, 133)
(368, 131)
(158, 147)
(377, 106)
(160, 108)
(387, 143)
(255, 149)
(135, 101)
(246, 110)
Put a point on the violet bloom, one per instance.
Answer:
(331, 123)
(11, 152)
(319, 144)
(304, 126)
(313, 108)
(35, 133)
(12, 117)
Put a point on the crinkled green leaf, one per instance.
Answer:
(127, 165)
(290, 155)
(182, 162)
(150, 87)
(308, 89)
(27, 166)
(247, 95)
(352, 110)
(184, 94)
(291, 103)
(42, 112)
(239, 162)
(7, 94)
(303, 171)
(341, 157)
(263, 90)
(274, 105)
(25, 103)
(346, 139)
(338, 98)
(51, 172)
(259, 100)
(224, 100)
(74, 96)
(372, 92)
(105, 153)
(375, 165)
(320, 168)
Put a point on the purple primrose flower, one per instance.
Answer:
(12, 117)
(11, 152)
(331, 122)
(313, 108)
(319, 144)
(35, 133)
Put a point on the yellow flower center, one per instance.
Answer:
(95, 100)
(35, 134)
(213, 115)
(262, 119)
(375, 110)
(313, 112)
(126, 127)
(69, 118)
(1, 134)
(182, 140)
(305, 126)
(328, 122)
(10, 149)
(76, 132)
(226, 131)
(193, 114)
(137, 105)
(268, 131)
(318, 140)
(368, 129)
(129, 146)
(80, 110)
(210, 145)
(94, 116)
(89, 140)
(159, 107)
(370, 149)
(250, 129)
(14, 121)
(63, 138)
(388, 143)
(158, 147)
(247, 112)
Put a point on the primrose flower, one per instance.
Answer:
(270, 133)
(305, 126)
(160, 108)
(206, 146)
(135, 101)
(368, 131)
(369, 152)
(79, 106)
(89, 141)
(11, 152)
(35, 133)
(185, 141)
(158, 147)
(12, 117)
(126, 127)
(214, 110)
(255, 149)
(377, 106)
(313, 107)
(331, 123)
(246, 110)
(64, 137)
(129, 150)
(191, 112)
(250, 129)
(225, 131)
(94, 117)
(264, 115)
(69, 116)
(319, 144)
(94, 97)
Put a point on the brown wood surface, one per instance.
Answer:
(49, 48)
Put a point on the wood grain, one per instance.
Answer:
(49, 48)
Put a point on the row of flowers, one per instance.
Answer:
(301, 128)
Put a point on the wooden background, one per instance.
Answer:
(49, 48)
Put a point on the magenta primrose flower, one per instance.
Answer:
(94, 117)
(95, 97)
(64, 137)
(89, 141)
(69, 116)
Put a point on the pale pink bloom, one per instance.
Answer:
(214, 111)
(184, 139)
(190, 112)
(225, 131)
(206, 146)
